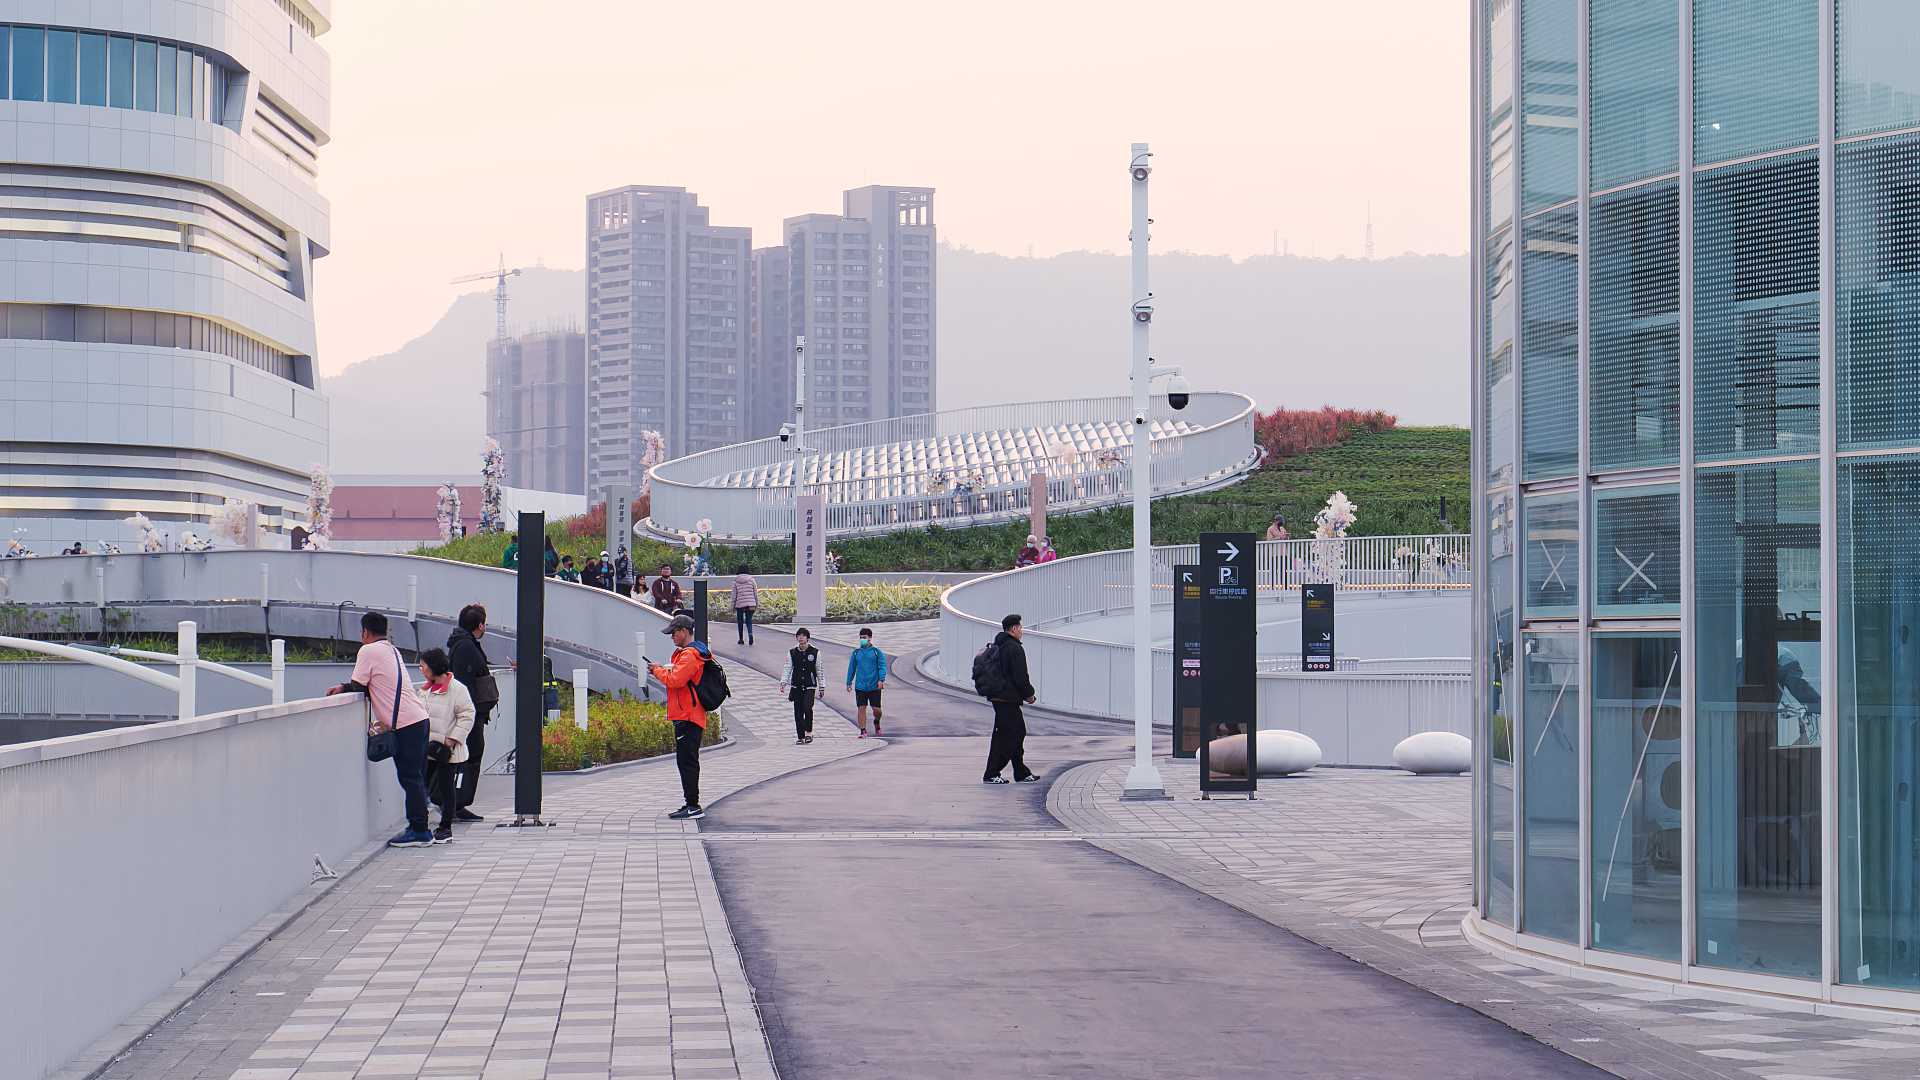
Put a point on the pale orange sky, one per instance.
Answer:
(463, 128)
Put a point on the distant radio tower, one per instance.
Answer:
(1369, 232)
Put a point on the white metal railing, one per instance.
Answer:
(1218, 445)
(182, 684)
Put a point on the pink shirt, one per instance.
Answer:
(376, 667)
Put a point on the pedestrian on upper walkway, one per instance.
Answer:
(449, 720)
(550, 559)
(801, 680)
(1009, 742)
(1029, 554)
(866, 677)
(665, 591)
(568, 571)
(623, 572)
(746, 599)
(510, 558)
(381, 674)
(684, 710)
(472, 669)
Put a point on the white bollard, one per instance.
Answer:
(266, 579)
(279, 671)
(413, 597)
(640, 662)
(100, 588)
(580, 697)
(189, 664)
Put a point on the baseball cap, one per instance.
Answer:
(678, 622)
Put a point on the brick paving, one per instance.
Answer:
(594, 948)
(1378, 866)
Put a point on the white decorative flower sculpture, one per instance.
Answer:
(446, 510)
(320, 503)
(493, 474)
(230, 522)
(1330, 527)
(150, 538)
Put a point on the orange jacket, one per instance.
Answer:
(678, 677)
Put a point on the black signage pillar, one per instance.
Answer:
(700, 611)
(1227, 628)
(530, 631)
(1316, 627)
(1186, 660)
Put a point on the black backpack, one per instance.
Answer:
(710, 689)
(989, 673)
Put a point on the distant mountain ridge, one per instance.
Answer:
(1388, 334)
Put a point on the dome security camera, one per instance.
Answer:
(786, 432)
(1143, 311)
(1179, 393)
(1141, 172)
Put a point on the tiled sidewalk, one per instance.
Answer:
(1378, 866)
(594, 948)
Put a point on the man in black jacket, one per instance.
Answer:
(1009, 725)
(469, 663)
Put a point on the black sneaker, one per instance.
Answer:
(995, 779)
(799, 740)
(443, 835)
(464, 814)
(808, 739)
(687, 812)
(1030, 778)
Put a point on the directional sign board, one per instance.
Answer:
(1187, 595)
(1316, 627)
(1227, 629)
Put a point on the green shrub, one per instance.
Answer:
(619, 728)
(882, 601)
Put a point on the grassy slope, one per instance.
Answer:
(1396, 478)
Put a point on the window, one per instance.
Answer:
(1497, 760)
(62, 56)
(93, 69)
(145, 57)
(1549, 99)
(29, 63)
(1552, 556)
(1758, 709)
(1498, 363)
(1634, 890)
(1877, 307)
(1757, 310)
(1879, 85)
(1633, 294)
(166, 81)
(1550, 345)
(1636, 551)
(120, 73)
(1633, 66)
(1756, 77)
(1551, 743)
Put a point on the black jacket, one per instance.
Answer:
(468, 661)
(1013, 663)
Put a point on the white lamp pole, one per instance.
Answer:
(1143, 780)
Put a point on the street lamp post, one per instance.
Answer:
(1143, 779)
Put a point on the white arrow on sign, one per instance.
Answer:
(1229, 551)
(1186, 577)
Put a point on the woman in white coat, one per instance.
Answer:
(450, 720)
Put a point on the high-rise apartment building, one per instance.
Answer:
(163, 217)
(668, 302)
(1697, 452)
(770, 376)
(537, 408)
(861, 288)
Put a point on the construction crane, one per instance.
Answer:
(500, 276)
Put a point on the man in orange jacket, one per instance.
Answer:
(683, 708)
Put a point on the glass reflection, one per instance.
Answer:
(1499, 755)
(1636, 836)
(1552, 752)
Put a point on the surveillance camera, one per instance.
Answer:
(1143, 311)
(1178, 392)
(1138, 420)
(786, 432)
(1140, 173)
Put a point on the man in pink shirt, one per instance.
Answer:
(380, 672)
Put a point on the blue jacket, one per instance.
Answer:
(867, 667)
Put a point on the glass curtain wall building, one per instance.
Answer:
(1697, 372)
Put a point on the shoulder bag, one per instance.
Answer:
(380, 744)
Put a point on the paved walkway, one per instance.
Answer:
(1378, 866)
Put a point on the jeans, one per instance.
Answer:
(410, 765)
(686, 754)
(743, 623)
(802, 713)
(467, 773)
(1009, 741)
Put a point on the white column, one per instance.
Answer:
(640, 664)
(279, 671)
(189, 664)
(413, 596)
(580, 697)
(1143, 780)
(266, 582)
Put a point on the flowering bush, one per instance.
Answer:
(1287, 433)
(591, 523)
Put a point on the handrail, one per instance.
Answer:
(276, 684)
(90, 656)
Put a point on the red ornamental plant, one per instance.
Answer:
(591, 523)
(1288, 433)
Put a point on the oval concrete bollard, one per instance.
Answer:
(1434, 753)
(1282, 751)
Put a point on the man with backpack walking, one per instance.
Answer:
(695, 683)
(1000, 676)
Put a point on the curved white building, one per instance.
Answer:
(159, 218)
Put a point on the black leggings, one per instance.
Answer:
(743, 622)
(802, 713)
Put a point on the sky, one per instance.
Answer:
(463, 130)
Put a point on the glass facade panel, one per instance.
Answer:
(1636, 551)
(29, 63)
(1498, 364)
(1878, 723)
(1499, 130)
(120, 73)
(1879, 81)
(1757, 309)
(1552, 556)
(1550, 344)
(165, 80)
(1497, 759)
(62, 57)
(1756, 77)
(1757, 718)
(1633, 66)
(145, 57)
(1551, 749)
(1633, 295)
(1634, 892)
(93, 69)
(1549, 102)
(183, 85)
(1877, 368)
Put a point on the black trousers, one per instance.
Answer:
(440, 788)
(802, 712)
(467, 773)
(686, 754)
(410, 765)
(1009, 740)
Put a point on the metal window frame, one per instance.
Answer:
(1689, 834)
